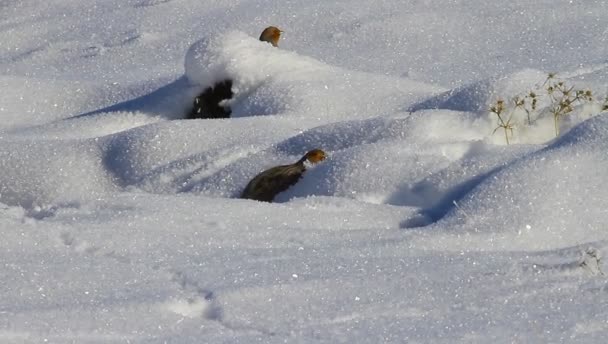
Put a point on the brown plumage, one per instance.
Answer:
(271, 34)
(266, 185)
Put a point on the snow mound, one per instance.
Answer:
(370, 160)
(84, 127)
(379, 153)
(547, 199)
(131, 144)
(376, 160)
(30, 101)
(528, 124)
(267, 80)
(42, 172)
(477, 96)
(175, 156)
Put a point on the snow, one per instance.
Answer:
(121, 221)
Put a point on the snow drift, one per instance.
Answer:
(119, 219)
(271, 81)
(547, 199)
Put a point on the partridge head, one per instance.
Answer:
(314, 156)
(271, 34)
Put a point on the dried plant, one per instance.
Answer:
(562, 99)
(506, 125)
(528, 103)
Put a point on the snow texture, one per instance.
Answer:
(121, 223)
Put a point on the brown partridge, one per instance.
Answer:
(266, 185)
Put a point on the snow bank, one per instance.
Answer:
(375, 160)
(130, 144)
(370, 160)
(28, 101)
(548, 199)
(175, 156)
(379, 154)
(37, 173)
(271, 81)
(535, 127)
(479, 95)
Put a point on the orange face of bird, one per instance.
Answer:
(271, 34)
(315, 156)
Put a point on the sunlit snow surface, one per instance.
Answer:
(120, 221)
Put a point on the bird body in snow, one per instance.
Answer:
(266, 185)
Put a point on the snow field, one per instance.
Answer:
(120, 221)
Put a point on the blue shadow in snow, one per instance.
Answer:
(443, 204)
(172, 101)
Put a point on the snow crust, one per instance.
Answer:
(121, 222)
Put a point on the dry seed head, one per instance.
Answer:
(564, 106)
(500, 106)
